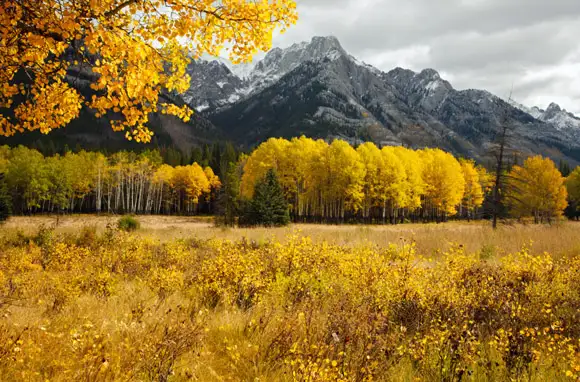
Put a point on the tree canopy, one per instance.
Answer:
(332, 182)
(91, 182)
(573, 188)
(537, 189)
(127, 51)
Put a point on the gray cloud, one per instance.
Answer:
(488, 44)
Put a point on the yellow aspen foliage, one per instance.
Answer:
(384, 182)
(300, 182)
(573, 186)
(195, 181)
(537, 189)
(444, 183)
(4, 155)
(163, 175)
(473, 194)
(485, 178)
(214, 180)
(394, 179)
(344, 175)
(414, 186)
(127, 51)
(372, 159)
(270, 154)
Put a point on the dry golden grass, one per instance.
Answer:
(559, 239)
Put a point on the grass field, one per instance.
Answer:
(180, 300)
(559, 239)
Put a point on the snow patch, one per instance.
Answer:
(560, 119)
(202, 107)
(433, 85)
(243, 71)
(334, 55)
(233, 98)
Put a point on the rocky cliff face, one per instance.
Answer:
(317, 89)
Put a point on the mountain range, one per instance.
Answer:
(317, 89)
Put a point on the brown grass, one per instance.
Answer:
(559, 239)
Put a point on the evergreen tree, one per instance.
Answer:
(196, 155)
(268, 207)
(173, 157)
(228, 202)
(564, 168)
(215, 160)
(5, 201)
(229, 155)
(206, 157)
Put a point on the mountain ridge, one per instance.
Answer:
(316, 88)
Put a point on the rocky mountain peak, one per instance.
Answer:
(556, 117)
(323, 45)
(431, 74)
(432, 80)
(216, 68)
(400, 72)
(281, 61)
(553, 108)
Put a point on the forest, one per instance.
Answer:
(321, 182)
(124, 182)
(337, 182)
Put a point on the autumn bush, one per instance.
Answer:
(128, 223)
(117, 305)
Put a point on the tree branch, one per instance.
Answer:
(119, 8)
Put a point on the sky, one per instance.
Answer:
(530, 45)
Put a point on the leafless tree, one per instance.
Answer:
(500, 147)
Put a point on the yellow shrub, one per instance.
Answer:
(128, 306)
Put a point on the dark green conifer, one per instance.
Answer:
(228, 199)
(268, 207)
(5, 201)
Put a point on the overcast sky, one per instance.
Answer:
(483, 44)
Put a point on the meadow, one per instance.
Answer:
(180, 300)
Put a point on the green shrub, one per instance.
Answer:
(128, 223)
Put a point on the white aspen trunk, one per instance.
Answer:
(118, 192)
(99, 192)
(147, 208)
(129, 189)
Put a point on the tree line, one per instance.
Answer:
(336, 182)
(124, 182)
(317, 182)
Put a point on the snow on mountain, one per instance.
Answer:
(561, 119)
(278, 62)
(317, 89)
(212, 85)
(242, 80)
(554, 115)
(533, 111)
(242, 70)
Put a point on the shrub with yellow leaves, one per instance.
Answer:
(127, 306)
